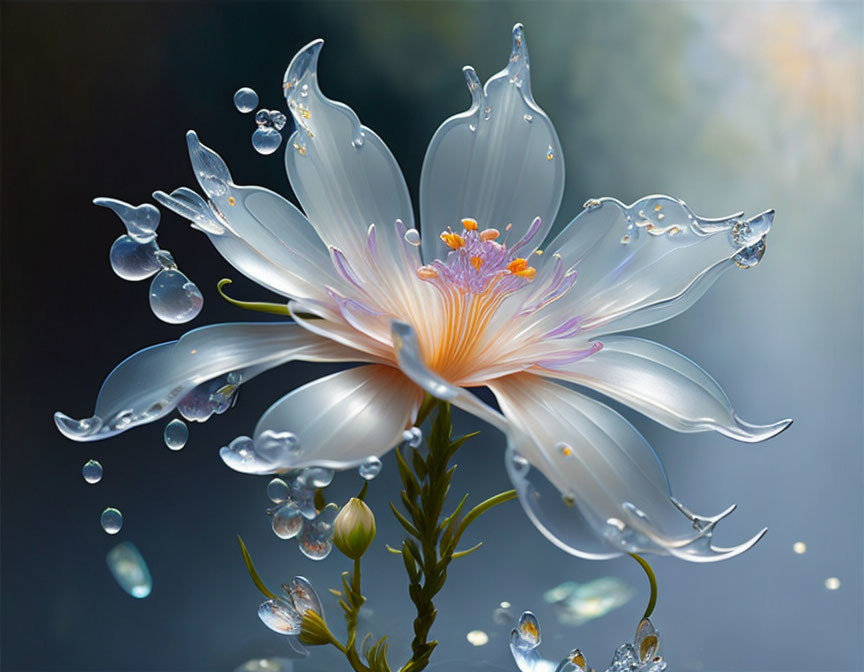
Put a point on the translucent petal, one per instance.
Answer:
(342, 172)
(647, 640)
(280, 616)
(411, 361)
(260, 233)
(342, 419)
(665, 386)
(499, 162)
(604, 472)
(647, 262)
(150, 383)
(316, 539)
(524, 640)
(304, 596)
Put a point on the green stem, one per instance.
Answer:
(652, 580)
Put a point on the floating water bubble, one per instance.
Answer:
(370, 468)
(176, 434)
(317, 535)
(413, 437)
(130, 570)
(278, 491)
(477, 638)
(287, 520)
(278, 119)
(112, 520)
(280, 616)
(141, 221)
(132, 260)
(92, 471)
(412, 237)
(266, 140)
(174, 298)
(245, 100)
(262, 118)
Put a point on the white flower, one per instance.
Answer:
(476, 304)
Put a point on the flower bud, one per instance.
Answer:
(354, 529)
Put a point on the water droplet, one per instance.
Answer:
(529, 118)
(317, 535)
(357, 142)
(318, 477)
(287, 520)
(370, 468)
(263, 118)
(477, 638)
(278, 119)
(799, 547)
(174, 298)
(413, 437)
(214, 396)
(487, 112)
(266, 140)
(529, 631)
(832, 583)
(129, 569)
(141, 221)
(166, 260)
(750, 256)
(92, 471)
(520, 464)
(280, 616)
(278, 491)
(132, 260)
(550, 153)
(112, 520)
(412, 237)
(245, 100)
(176, 434)
(750, 232)
(575, 662)
(472, 128)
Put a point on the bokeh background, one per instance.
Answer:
(730, 106)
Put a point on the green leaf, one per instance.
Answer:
(250, 567)
(462, 554)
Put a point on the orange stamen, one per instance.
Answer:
(469, 224)
(453, 240)
(477, 262)
(489, 234)
(520, 267)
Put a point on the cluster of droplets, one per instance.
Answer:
(371, 467)
(135, 256)
(295, 514)
(266, 138)
(212, 397)
(285, 614)
(640, 656)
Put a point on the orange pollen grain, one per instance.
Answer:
(453, 240)
(489, 234)
(520, 267)
(477, 262)
(469, 224)
(427, 273)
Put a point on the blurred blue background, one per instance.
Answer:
(730, 106)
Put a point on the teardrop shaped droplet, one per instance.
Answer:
(574, 662)
(132, 260)
(413, 437)
(129, 569)
(412, 237)
(245, 100)
(278, 491)
(266, 140)
(174, 298)
(750, 256)
(529, 630)
(112, 520)
(370, 468)
(287, 520)
(317, 535)
(176, 434)
(318, 477)
(92, 471)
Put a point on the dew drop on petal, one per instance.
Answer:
(278, 491)
(280, 616)
(129, 569)
(245, 100)
(287, 520)
(550, 153)
(413, 437)
(316, 538)
(176, 434)
(174, 298)
(529, 118)
(132, 260)
(412, 237)
(318, 477)
(266, 140)
(92, 471)
(750, 256)
(370, 468)
(112, 520)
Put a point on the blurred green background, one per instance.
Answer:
(729, 106)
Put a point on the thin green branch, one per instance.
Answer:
(258, 306)
(652, 580)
